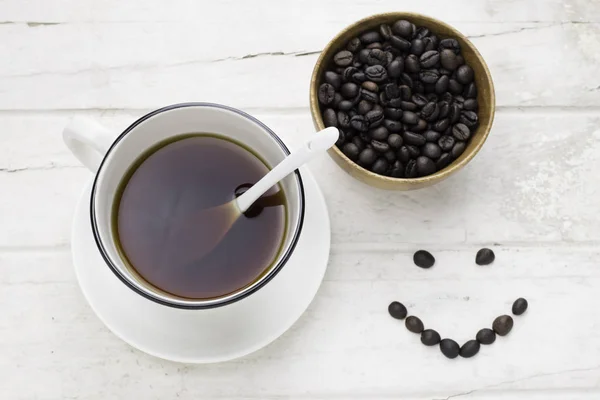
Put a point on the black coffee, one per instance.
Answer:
(173, 182)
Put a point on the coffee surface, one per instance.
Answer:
(170, 185)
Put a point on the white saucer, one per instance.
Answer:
(205, 336)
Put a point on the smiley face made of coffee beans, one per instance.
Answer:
(450, 348)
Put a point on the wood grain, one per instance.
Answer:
(531, 194)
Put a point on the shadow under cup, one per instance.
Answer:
(176, 120)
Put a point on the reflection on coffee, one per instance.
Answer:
(172, 183)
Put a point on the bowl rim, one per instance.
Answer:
(439, 175)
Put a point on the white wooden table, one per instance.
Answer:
(532, 193)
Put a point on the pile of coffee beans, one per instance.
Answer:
(403, 98)
(450, 348)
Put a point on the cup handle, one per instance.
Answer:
(88, 141)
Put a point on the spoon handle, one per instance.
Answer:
(318, 143)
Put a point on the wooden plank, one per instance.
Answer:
(345, 343)
(147, 65)
(231, 12)
(531, 182)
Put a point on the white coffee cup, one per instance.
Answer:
(110, 159)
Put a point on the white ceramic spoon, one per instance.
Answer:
(203, 231)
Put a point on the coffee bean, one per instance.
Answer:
(395, 103)
(503, 325)
(385, 31)
(405, 79)
(363, 55)
(326, 93)
(417, 47)
(441, 125)
(374, 118)
(471, 91)
(444, 160)
(376, 73)
(330, 117)
(419, 100)
(369, 96)
(353, 45)
(429, 59)
(343, 58)
(464, 74)
(428, 43)
(375, 45)
(469, 118)
(377, 107)
(432, 151)
(425, 166)
(393, 113)
(405, 92)
(448, 59)
(370, 37)
(359, 143)
(403, 154)
(450, 44)
(359, 77)
(390, 156)
(409, 117)
(418, 87)
(333, 79)
(364, 107)
(449, 348)
(343, 119)
(485, 256)
(454, 86)
(345, 105)
(336, 100)
(380, 147)
(461, 132)
(431, 136)
(349, 90)
(359, 123)
(392, 91)
(370, 86)
(403, 28)
(395, 140)
(392, 126)
(422, 32)
(470, 105)
(348, 73)
(367, 157)
(341, 139)
(411, 169)
(400, 43)
(413, 151)
(421, 126)
(379, 133)
(380, 166)
(429, 76)
(429, 337)
(397, 170)
(413, 138)
(430, 111)
(459, 60)
(414, 324)
(458, 149)
(519, 306)
(423, 259)
(377, 57)
(411, 64)
(469, 349)
(408, 106)
(395, 69)
(444, 108)
(486, 336)
(446, 143)
(454, 113)
(442, 84)
(397, 310)
(351, 151)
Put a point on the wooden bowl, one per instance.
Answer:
(485, 97)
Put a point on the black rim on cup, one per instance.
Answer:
(195, 304)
